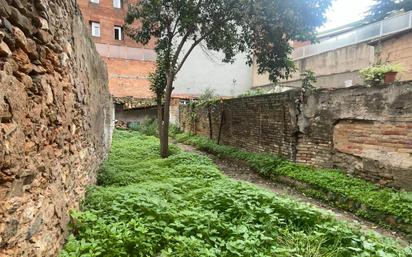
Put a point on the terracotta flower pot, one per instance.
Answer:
(389, 77)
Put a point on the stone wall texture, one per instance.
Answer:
(365, 131)
(55, 122)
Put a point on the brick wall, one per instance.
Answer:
(55, 122)
(365, 131)
(129, 71)
(108, 17)
(397, 49)
(129, 77)
(260, 124)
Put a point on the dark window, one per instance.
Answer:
(118, 35)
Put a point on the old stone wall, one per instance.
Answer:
(364, 131)
(55, 122)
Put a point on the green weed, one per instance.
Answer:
(374, 198)
(184, 206)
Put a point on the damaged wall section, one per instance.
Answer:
(365, 131)
(55, 122)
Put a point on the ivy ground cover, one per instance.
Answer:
(385, 206)
(184, 206)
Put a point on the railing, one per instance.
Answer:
(362, 34)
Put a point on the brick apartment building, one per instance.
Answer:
(128, 63)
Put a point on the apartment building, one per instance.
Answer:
(342, 52)
(128, 63)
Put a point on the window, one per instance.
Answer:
(117, 4)
(95, 26)
(118, 35)
(95, 1)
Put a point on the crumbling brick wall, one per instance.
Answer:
(260, 123)
(364, 131)
(55, 122)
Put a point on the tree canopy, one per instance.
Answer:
(384, 8)
(262, 29)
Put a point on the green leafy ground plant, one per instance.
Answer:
(184, 206)
(361, 197)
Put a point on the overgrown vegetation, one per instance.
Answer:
(207, 101)
(258, 91)
(308, 80)
(261, 29)
(363, 198)
(147, 127)
(183, 206)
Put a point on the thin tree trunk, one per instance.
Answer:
(221, 126)
(209, 113)
(164, 131)
(159, 116)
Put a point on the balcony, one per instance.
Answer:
(362, 34)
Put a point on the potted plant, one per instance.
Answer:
(381, 73)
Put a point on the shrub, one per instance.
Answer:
(374, 75)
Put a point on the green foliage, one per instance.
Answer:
(184, 206)
(324, 181)
(308, 78)
(374, 75)
(384, 8)
(229, 26)
(148, 127)
(255, 92)
(208, 98)
(174, 130)
(158, 79)
(262, 29)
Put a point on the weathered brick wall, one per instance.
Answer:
(262, 123)
(367, 114)
(397, 49)
(129, 77)
(364, 131)
(55, 122)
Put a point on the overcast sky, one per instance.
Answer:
(346, 11)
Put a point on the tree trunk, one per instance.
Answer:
(209, 114)
(159, 116)
(164, 128)
(221, 126)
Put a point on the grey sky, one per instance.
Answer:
(346, 11)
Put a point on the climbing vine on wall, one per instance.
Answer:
(205, 104)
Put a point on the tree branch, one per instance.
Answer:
(195, 44)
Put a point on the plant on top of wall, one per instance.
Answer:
(381, 73)
(208, 100)
(308, 79)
